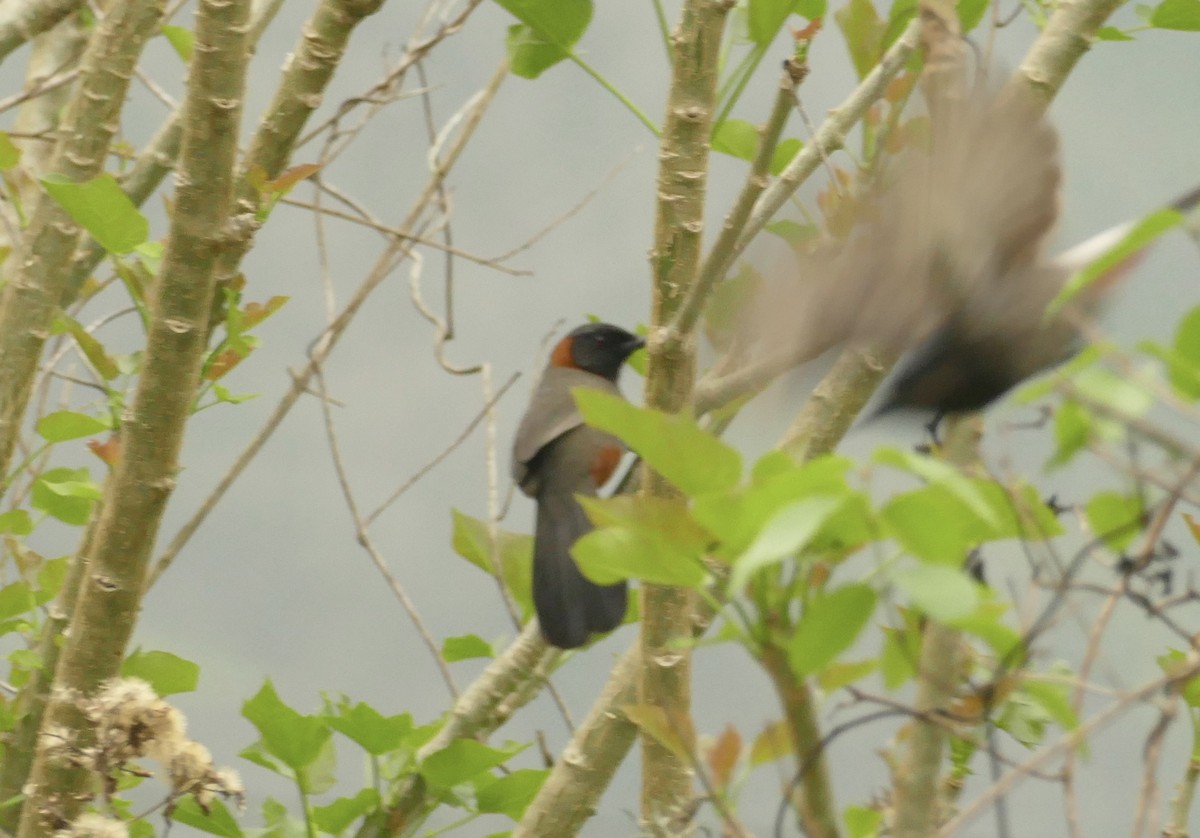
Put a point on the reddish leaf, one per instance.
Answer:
(723, 756)
(223, 363)
(287, 179)
(109, 451)
(255, 313)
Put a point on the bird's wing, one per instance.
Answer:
(944, 229)
(551, 414)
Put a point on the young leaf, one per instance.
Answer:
(217, 821)
(63, 425)
(466, 647)
(168, 674)
(67, 494)
(339, 814)
(375, 733)
(16, 521)
(673, 444)
(512, 794)
(181, 40)
(830, 624)
(100, 207)
(943, 593)
(1115, 518)
(611, 554)
(1183, 15)
(462, 760)
(548, 31)
(789, 530)
(10, 155)
(295, 739)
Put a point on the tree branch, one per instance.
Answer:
(137, 493)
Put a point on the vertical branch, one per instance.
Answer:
(152, 433)
(675, 260)
(31, 297)
(917, 801)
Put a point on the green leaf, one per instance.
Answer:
(830, 624)
(1123, 395)
(1112, 33)
(295, 739)
(1183, 366)
(318, 776)
(944, 593)
(787, 149)
(863, 31)
(465, 647)
(344, 811)
(933, 525)
(1183, 15)
(67, 494)
(901, 650)
(100, 207)
(511, 795)
(985, 623)
(10, 155)
(862, 822)
(943, 474)
(810, 9)
(182, 40)
(788, 531)
(1175, 662)
(375, 733)
(50, 578)
(16, 521)
(91, 348)
(614, 553)
(1072, 431)
(1141, 234)
(471, 540)
(737, 518)
(1115, 518)
(462, 760)
(168, 674)
(736, 137)
(218, 821)
(672, 444)
(766, 18)
(63, 425)
(15, 599)
(970, 12)
(1055, 699)
(840, 673)
(548, 31)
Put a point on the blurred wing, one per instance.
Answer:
(946, 228)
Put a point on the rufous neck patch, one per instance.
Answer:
(562, 355)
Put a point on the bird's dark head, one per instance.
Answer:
(598, 348)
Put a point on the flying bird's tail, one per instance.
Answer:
(570, 607)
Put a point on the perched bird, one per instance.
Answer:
(556, 457)
(947, 262)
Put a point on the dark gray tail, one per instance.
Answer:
(570, 607)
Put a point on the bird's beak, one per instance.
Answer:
(633, 345)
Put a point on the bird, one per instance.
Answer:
(947, 265)
(556, 457)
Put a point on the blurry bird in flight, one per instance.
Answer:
(949, 265)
